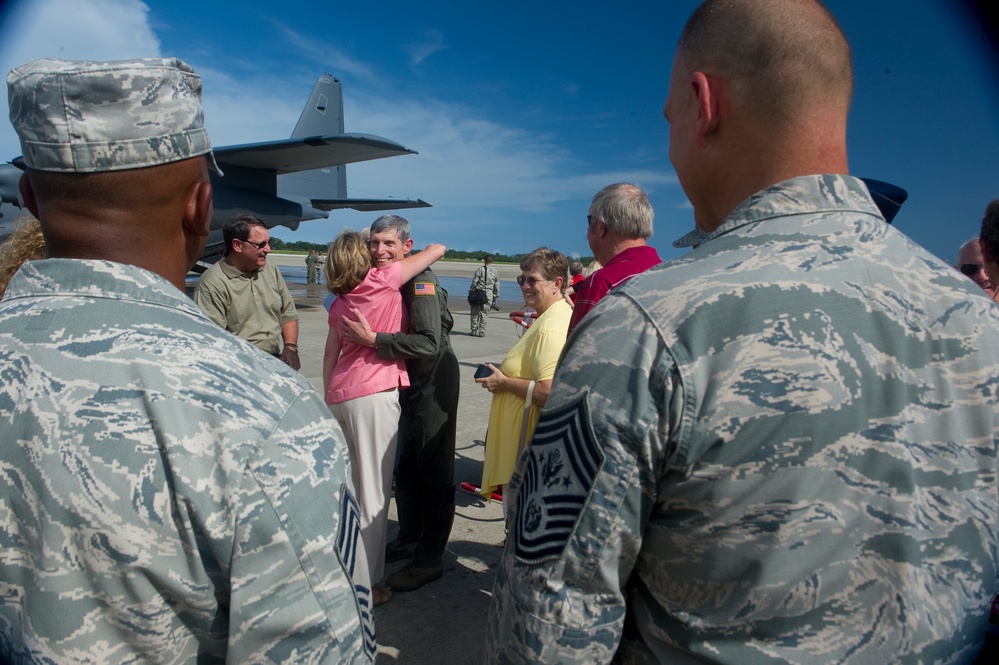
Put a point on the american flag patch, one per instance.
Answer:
(424, 289)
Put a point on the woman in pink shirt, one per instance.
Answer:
(362, 390)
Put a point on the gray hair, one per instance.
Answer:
(624, 207)
(392, 223)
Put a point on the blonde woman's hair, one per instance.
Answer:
(26, 243)
(347, 262)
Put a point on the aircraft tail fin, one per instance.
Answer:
(322, 115)
(324, 112)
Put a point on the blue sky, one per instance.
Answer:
(522, 111)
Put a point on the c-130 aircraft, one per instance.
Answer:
(283, 182)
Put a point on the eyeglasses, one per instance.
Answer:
(970, 269)
(530, 281)
(258, 245)
(589, 220)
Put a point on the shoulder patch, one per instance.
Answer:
(346, 543)
(563, 462)
(424, 289)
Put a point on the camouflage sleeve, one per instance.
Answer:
(292, 595)
(583, 492)
(478, 279)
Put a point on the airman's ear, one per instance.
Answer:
(28, 195)
(198, 209)
(706, 90)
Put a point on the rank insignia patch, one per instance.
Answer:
(563, 464)
(346, 543)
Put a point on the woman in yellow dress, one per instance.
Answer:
(527, 367)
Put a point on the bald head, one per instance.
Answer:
(759, 94)
(780, 58)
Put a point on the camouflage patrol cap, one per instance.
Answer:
(87, 117)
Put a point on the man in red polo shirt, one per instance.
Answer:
(618, 226)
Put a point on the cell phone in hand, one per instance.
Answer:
(482, 371)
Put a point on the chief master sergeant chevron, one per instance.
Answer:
(781, 447)
(167, 491)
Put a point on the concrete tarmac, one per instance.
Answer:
(445, 621)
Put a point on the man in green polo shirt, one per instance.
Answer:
(247, 296)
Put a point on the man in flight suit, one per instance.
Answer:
(424, 492)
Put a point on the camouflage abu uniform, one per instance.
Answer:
(167, 492)
(167, 488)
(487, 279)
(781, 447)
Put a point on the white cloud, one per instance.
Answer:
(74, 30)
(466, 162)
(325, 54)
(250, 111)
(485, 179)
(420, 51)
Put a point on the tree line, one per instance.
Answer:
(476, 256)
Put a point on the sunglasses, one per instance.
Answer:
(258, 245)
(530, 281)
(970, 269)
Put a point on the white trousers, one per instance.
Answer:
(371, 424)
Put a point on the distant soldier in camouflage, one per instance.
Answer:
(783, 446)
(482, 294)
(168, 492)
(310, 267)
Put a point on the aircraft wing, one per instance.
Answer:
(368, 205)
(305, 154)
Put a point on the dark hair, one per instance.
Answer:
(238, 228)
(990, 229)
